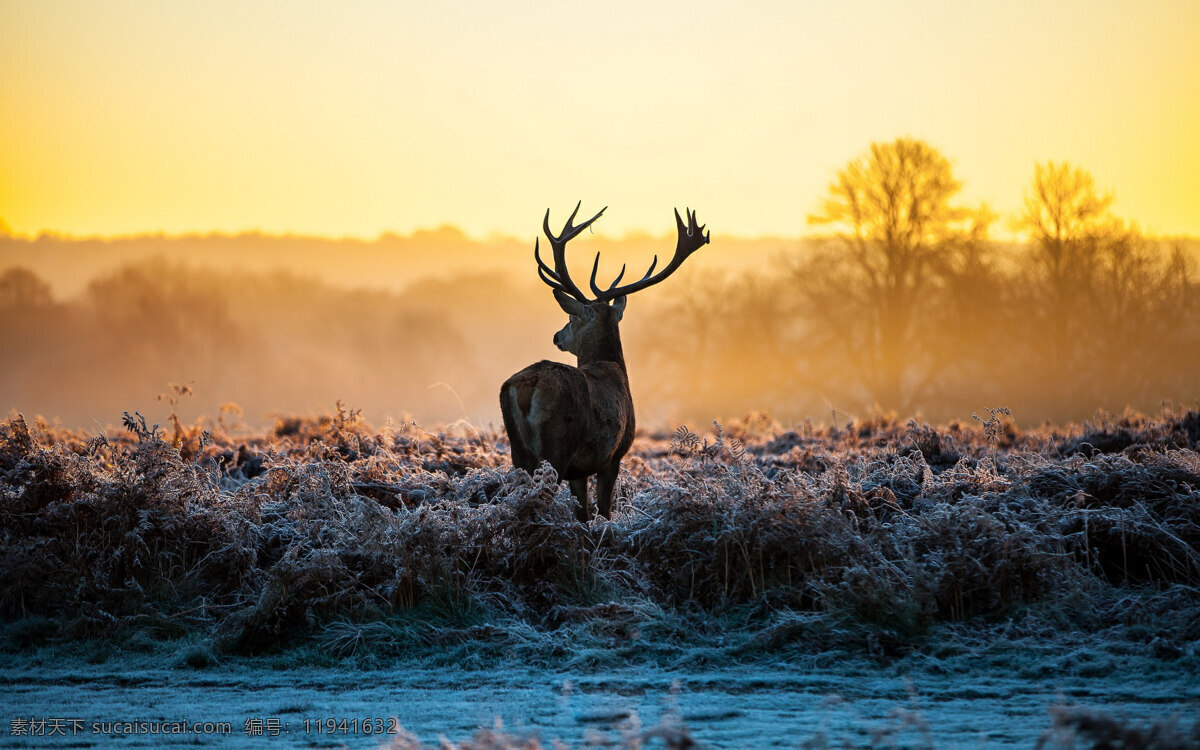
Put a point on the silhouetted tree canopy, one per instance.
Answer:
(21, 289)
(900, 239)
(1109, 304)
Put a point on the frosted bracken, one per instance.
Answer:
(955, 555)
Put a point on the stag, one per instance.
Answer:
(580, 419)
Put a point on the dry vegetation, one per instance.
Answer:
(752, 543)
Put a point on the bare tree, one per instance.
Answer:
(898, 234)
(1068, 223)
(1107, 304)
(22, 289)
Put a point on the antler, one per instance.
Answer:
(559, 277)
(691, 238)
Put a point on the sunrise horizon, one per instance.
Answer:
(138, 118)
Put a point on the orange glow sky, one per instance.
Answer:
(363, 117)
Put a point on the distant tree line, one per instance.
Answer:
(904, 303)
(269, 342)
(908, 305)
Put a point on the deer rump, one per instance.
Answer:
(579, 419)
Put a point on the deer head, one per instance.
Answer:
(590, 331)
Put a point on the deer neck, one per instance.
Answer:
(605, 347)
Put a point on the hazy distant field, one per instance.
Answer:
(899, 548)
(427, 326)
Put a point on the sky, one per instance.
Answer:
(353, 119)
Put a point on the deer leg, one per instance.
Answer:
(522, 457)
(579, 490)
(605, 481)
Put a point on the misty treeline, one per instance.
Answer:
(907, 304)
(904, 302)
(267, 343)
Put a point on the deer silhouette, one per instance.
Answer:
(580, 419)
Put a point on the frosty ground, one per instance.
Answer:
(948, 702)
(884, 582)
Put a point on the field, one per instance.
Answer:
(883, 582)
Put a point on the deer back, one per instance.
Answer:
(577, 418)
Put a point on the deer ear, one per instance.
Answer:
(619, 305)
(569, 304)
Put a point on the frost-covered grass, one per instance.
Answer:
(327, 540)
